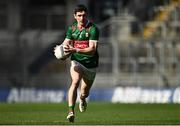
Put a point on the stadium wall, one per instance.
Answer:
(114, 95)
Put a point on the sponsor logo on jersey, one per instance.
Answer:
(81, 44)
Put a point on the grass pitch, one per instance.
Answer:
(97, 114)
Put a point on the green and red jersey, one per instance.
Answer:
(80, 39)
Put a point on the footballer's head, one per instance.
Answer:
(80, 8)
(80, 14)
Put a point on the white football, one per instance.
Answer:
(60, 53)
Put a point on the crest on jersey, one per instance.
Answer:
(87, 34)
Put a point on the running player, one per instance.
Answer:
(83, 35)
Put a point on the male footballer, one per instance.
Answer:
(83, 37)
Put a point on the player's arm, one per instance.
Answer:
(67, 41)
(68, 48)
(93, 42)
(89, 50)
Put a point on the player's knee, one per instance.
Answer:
(74, 85)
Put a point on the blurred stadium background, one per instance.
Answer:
(139, 50)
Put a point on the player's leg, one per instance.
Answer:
(85, 88)
(75, 72)
(86, 84)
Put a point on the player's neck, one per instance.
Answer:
(83, 25)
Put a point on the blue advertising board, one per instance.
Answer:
(114, 95)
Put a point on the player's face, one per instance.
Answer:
(80, 17)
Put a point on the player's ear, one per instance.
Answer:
(75, 16)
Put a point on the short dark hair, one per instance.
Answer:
(80, 8)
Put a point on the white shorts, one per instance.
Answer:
(88, 73)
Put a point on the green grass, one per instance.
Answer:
(97, 113)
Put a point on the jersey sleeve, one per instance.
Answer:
(69, 33)
(94, 33)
